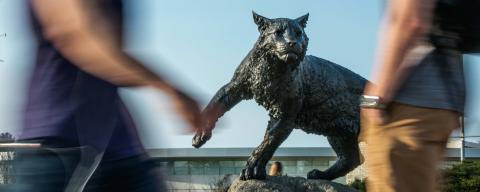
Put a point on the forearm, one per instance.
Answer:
(407, 22)
(103, 60)
(394, 49)
(68, 24)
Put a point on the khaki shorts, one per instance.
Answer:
(403, 154)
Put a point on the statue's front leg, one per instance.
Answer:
(276, 133)
(348, 157)
(225, 98)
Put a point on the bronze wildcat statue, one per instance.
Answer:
(302, 92)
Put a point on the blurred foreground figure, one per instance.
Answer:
(74, 110)
(410, 113)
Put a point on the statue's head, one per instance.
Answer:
(284, 38)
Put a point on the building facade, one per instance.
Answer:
(189, 169)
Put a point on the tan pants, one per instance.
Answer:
(403, 154)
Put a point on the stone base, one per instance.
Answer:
(288, 184)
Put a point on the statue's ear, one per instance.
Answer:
(302, 20)
(261, 21)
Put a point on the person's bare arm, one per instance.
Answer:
(406, 22)
(69, 25)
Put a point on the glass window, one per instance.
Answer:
(320, 163)
(168, 170)
(197, 171)
(212, 164)
(197, 163)
(290, 170)
(240, 163)
(321, 168)
(238, 170)
(163, 163)
(227, 163)
(181, 170)
(180, 163)
(304, 163)
(227, 170)
(289, 163)
(212, 170)
(307, 169)
(302, 169)
(331, 162)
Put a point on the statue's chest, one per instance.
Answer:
(273, 93)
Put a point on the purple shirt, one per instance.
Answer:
(68, 104)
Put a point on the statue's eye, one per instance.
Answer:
(298, 33)
(278, 32)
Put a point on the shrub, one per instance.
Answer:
(360, 185)
(462, 177)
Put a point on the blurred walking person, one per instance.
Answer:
(419, 95)
(74, 110)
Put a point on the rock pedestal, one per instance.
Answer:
(288, 184)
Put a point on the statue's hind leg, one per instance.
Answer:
(348, 154)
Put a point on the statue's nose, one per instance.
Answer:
(292, 43)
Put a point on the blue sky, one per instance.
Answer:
(198, 45)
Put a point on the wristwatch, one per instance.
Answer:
(372, 102)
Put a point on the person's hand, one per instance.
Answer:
(188, 109)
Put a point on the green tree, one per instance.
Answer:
(6, 137)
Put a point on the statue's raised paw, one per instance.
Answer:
(201, 138)
(317, 174)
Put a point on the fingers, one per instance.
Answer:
(189, 110)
